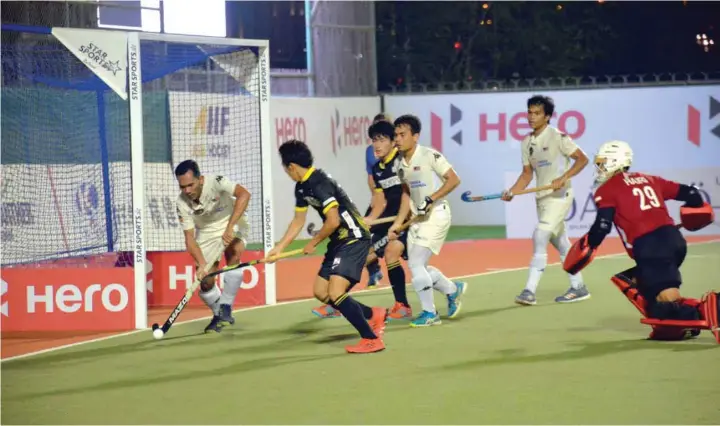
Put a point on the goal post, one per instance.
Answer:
(94, 123)
(247, 63)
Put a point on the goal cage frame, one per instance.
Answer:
(133, 76)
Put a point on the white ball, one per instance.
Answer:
(158, 333)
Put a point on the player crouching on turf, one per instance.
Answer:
(635, 203)
(347, 250)
(213, 222)
(389, 192)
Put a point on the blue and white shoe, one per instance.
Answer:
(527, 297)
(374, 279)
(426, 319)
(574, 295)
(225, 315)
(454, 303)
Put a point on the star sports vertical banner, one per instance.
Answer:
(104, 52)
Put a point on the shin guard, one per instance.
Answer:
(625, 282)
(710, 308)
(661, 329)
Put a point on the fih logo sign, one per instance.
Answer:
(348, 131)
(693, 121)
(212, 121)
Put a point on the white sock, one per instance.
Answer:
(538, 262)
(418, 257)
(441, 283)
(562, 244)
(211, 299)
(232, 280)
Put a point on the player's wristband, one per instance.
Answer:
(428, 201)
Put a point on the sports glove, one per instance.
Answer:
(424, 207)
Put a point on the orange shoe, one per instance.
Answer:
(400, 311)
(378, 321)
(366, 346)
(326, 311)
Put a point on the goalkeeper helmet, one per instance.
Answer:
(612, 157)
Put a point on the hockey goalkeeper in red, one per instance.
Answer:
(635, 204)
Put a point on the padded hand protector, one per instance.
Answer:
(696, 218)
(579, 256)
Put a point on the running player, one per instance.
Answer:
(635, 203)
(373, 268)
(389, 189)
(211, 210)
(546, 153)
(347, 250)
(419, 168)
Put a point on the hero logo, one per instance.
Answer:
(4, 305)
(349, 131)
(68, 298)
(571, 123)
(290, 128)
(176, 274)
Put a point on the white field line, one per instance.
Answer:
(292, 302)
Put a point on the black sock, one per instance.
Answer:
(374, 267)
(366, 310)
(396, 273)
(353, 312)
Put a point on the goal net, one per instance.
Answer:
(94, 123)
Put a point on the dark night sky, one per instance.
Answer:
(655, 36)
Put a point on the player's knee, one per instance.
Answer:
(207, 284)
(234, 250)
(541, 238)
(393, 251)
(336, 289)
(669, 295)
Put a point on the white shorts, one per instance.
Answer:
(552, 213)
(432, 232)
(211, 243)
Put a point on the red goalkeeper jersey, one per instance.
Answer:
(639, 203)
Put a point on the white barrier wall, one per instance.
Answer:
(521, 217)
(336, 131)
(669, 128)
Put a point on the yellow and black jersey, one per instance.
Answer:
(322, 192)
(386, 178)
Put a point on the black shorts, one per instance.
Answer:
(658, 256)
(380, 239)
(348, 261)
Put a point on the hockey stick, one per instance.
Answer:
(468, 199)
(313, 232)
(188, 294)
